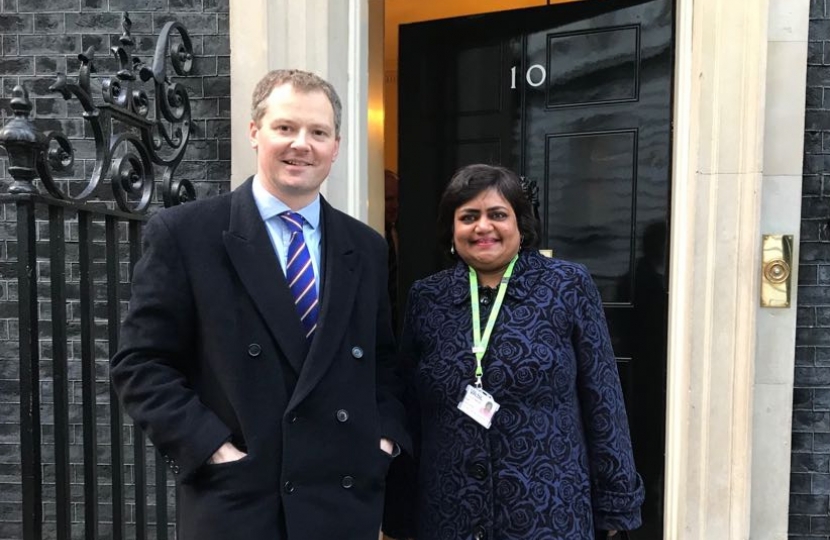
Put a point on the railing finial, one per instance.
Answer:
(23, 142)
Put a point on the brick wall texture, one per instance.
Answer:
(810, 472)
(39, 38)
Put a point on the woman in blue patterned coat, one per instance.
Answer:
(556, 461)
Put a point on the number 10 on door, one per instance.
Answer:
(535, 76)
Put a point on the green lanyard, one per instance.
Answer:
(480, 342)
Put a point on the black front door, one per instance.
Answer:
(576, 98)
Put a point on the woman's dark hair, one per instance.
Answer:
(469, 182)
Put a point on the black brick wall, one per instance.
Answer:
(810, 473)
(37, 39)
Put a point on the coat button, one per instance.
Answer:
(357, 352)
(347, 482)
(175, 469)
(288, 487)
(478, 470)
(254, 350)
(479, 533)
(292, 417)
(342, 415)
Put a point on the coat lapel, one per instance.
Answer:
(253, 257)
(340, 283)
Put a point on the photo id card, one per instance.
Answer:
(478, 405)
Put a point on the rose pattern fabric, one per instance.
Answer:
(557, 461)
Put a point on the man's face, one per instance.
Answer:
(296, 144)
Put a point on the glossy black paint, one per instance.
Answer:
(576, 97)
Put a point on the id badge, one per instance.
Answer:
(478, 405)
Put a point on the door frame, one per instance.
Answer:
(737, 155)
(738, 151)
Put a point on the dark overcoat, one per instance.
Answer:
(557, 461)
(212, 350)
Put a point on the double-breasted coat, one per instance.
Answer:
(212, 350)
(557, 461)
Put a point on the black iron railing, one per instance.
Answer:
(71, 291)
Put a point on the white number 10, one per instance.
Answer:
(529, 76)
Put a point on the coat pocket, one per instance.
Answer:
(232, 479)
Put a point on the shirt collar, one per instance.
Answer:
(270, 206)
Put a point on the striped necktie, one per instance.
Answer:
(299, 273)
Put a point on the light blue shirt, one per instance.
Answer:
(270, 208)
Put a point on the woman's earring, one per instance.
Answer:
(452, 248)
(522, 241)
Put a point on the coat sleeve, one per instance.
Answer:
(616, 488)
(157, 348)
(400, 517)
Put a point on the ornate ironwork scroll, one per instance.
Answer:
(126, 156)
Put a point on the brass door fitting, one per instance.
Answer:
(776, 270)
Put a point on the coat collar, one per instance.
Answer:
(524, 277)
(252, 255)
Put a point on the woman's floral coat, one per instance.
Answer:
(557, 462)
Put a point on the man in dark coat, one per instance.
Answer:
(277, 409)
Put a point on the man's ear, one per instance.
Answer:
(253, 130)
(336, 149)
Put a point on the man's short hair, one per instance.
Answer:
(302, 81)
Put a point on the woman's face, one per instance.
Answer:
(485, 232)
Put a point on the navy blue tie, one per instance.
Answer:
(299, 273)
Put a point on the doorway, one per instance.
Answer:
(577, 99)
